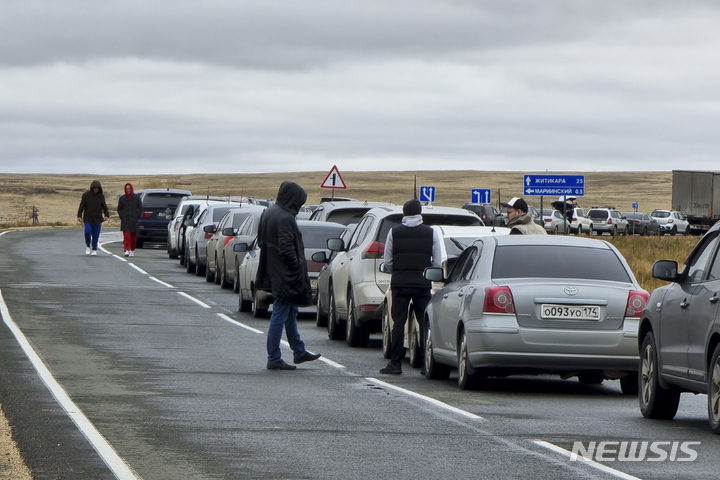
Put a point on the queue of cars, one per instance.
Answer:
(501, 304)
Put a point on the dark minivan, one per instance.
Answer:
(154, 219)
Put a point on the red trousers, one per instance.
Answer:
(129, 240)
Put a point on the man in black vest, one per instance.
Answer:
(409, 249)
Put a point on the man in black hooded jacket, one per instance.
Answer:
(282, 269)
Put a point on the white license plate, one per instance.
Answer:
(570, 312)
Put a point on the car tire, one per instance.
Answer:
(557, 229)
(199, 269)
(673, 232)
(335, 332)
(468, 379)
(433, 370)
(613, 232)
(355, 336)
(629, 383)
(591, 377)
(655, 401)
(258, 312)
(321, 318)
(714, 391)
(139, 243)
(578, 231)
(236, 278)
(244, 305)
(221, 273)
(189, 266)
(644, 232)
(626, 231)
(416, 350)
(386, 332)
(209, 275)
(590, 230)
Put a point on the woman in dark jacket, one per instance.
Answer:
(129, 209)
(92, 212)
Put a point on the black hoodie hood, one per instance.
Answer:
(291, 196)
(96, 183)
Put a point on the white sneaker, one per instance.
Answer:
(94, 253)
(132, 253)
(87, 250)
(127, 253)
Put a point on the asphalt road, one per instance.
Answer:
(178, 389)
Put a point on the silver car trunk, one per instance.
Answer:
(572, 303)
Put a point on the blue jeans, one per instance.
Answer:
(94, 232)
(283, 315)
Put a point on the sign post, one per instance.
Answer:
(334, 180)
(634, 207)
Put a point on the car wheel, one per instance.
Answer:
(590, 230)
(333, 326)
(199, 269)
(673, 232)
(644, 232)
(139, 244)
(433, 370)
(209, 275)
(626, 231)
(189, 266)
(557, 229)
(578, 231)
(655, 401)
(467, 378)
(386, 332)
(243, 305)
(221, 273)
(236, 278)
(416, 350)
(320, 317)
(613, 232)
(258, 312)
(591, 378)
(355, 336)
(714, 391)
(629, 384)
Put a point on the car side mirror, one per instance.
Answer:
(319, 257)
(382, 268)
(336, 244)
(434, 274)
(665, 270)
(209, 229)
(228, 232)
(240, 247)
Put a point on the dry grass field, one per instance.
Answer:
(57, 197)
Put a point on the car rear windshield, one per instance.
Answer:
(558, 261)
(661, 214)
(162, 200)
(598, 214)
(220, 212)
(316, 237)
(239, 218)
(346, 216)
(428, 219)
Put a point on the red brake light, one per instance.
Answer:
(670, 220)
(146, 215)
(609, 222)
(637, 299)
(498, 300)
(484, 217)
(374, 250)
(574, 219)
(548, 219)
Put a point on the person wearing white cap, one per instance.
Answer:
(519, 222)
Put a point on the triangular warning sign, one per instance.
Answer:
(333, 180)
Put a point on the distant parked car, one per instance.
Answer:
(245, 233)
(555, 222)
(642, 224)
(519, 304)
(199, 236)
(154, 217)
(344, 211)
(177, 226)
(315, 236)
(327, 261)
(671, 222)
(679, 335)
(487, 213)
(608, 219)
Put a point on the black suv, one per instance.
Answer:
(679, 335)
(154, 218)
(488, 213)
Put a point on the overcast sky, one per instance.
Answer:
(213, 86)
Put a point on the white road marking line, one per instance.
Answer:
(437, 403)
(161, 282)
(6, 231)
(592, 463)
(331, 363)
(194, 300)
(137, 268)
(119, 258)
(235, 322)
(118, 466)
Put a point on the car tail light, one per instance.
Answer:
(498, 300)
(484, 217)
(574, 219)
(638, 222)
(146, 214)
(670, 220)
(374, 250)
(637, 299)
(548, 219)
(609, 222)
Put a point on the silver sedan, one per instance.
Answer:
(519, 304)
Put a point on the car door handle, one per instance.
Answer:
(714, 298)
(684, 304)
(461, 293)
(445, 296)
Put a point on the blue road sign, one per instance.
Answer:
(427, 194)
(634, 205)
(480, 195)
(539, 185)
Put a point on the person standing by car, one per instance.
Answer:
(129, 209)
(282, 269)
(92, 212)
(409, 249)
(519, 222)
